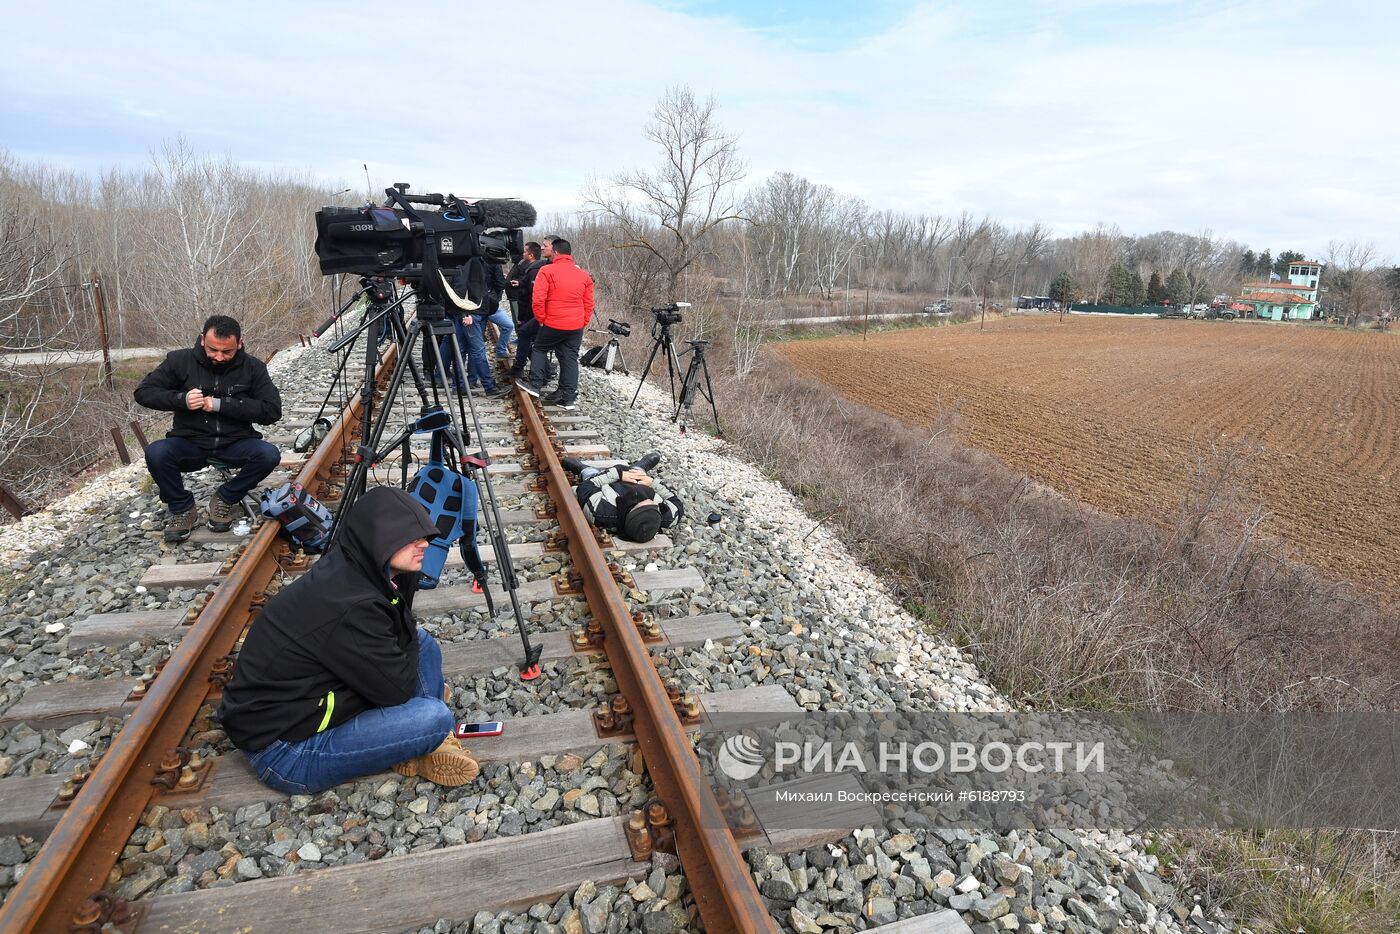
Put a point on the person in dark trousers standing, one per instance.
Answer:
(335, 680)
(528, 327)
(470, 330)
(217, 391)
(563, 302)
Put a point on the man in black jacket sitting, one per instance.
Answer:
(335, 680)
(218, 392)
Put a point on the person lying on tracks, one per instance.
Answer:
(335, 680)
(217, 391)
(624, 500)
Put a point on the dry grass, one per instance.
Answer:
(1063, 606)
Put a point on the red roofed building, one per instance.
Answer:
(1294, 300)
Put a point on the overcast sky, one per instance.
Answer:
(1272, 122)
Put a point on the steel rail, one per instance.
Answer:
(718, 875)
(62, 888)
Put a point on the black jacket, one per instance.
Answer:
(527, 289)
(337, 641)
(599, 496)
(516, 274)
(242, 387)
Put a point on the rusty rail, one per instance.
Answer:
(63, 887)
(719, 877)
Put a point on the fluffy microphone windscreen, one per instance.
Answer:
(506, 212)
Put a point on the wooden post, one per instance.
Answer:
(102, 329)
(120, 442)
(139, 435)
(12, 503)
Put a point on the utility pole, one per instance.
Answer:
(102, 329)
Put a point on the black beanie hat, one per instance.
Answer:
(642, 523)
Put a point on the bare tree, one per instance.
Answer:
(34, 405)
(1353, 278)
(1094, 252)
(670, 211)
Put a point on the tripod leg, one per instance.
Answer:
(673, 366)
(369, 441)
(646, 371)
(710, 394)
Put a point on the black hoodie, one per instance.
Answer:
(241, 387)
(339, 640)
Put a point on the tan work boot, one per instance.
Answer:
(449, 765)
(179, 525)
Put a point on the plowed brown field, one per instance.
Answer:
(1119, 413)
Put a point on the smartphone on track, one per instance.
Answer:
(476, 730)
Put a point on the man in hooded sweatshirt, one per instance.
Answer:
(335, 680)
(217, 391)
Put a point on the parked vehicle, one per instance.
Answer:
(1174, 311)
(938, 308)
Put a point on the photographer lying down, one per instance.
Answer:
(335, 679)
(624, 500)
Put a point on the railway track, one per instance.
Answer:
(169, 760)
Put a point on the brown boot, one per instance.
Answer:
(449, 765)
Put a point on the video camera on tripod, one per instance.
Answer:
(417, 236)
(668, 315)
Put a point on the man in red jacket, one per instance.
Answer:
(563, 304)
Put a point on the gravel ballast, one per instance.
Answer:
(812, 621)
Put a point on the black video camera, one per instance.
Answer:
(620, 328)
(668, 315)
(390, 239)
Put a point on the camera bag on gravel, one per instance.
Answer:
(305, 521)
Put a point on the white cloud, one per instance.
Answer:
(1265, 121)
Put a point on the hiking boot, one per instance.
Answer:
(555, 398)
(220, 513)
(516, 372)
(648, 461)
(448, 765)
(179, 525)
(572, 464)
(530, 388)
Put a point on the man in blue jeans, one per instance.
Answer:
(217, 391)
(471, 336)
(335, 680)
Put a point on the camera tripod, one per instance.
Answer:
(606, 357)
(664, 342)
(446, 426)
(690, 385)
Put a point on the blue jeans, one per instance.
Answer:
(469, 336)
(501, 319)
(169, 458)
(364, 744)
